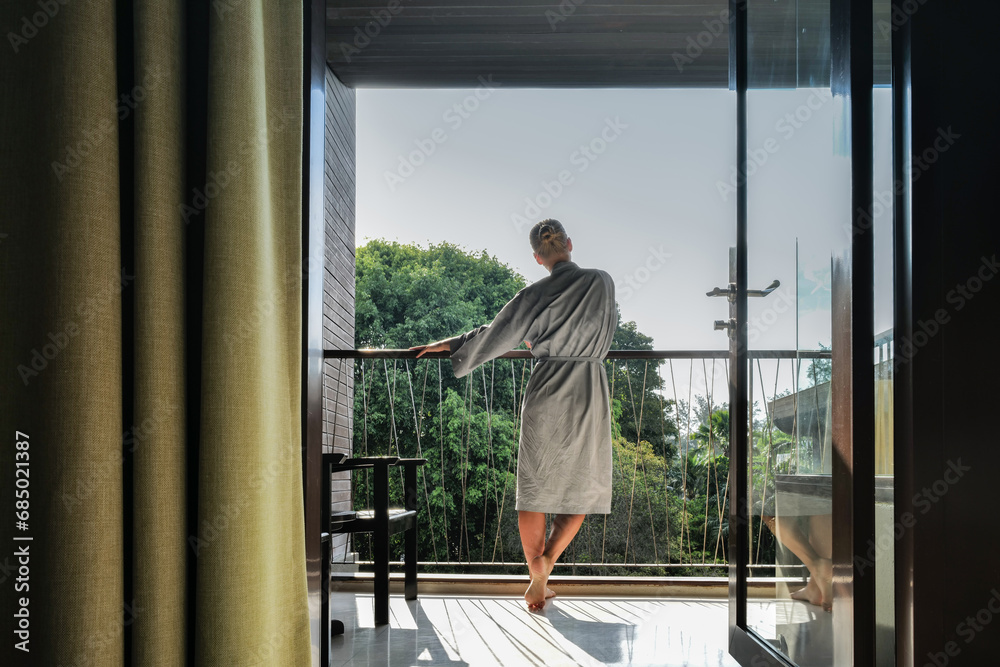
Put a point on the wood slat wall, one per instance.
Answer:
(444, 43)
(582, 43)
(338, 297)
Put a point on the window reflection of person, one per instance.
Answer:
(815, 550)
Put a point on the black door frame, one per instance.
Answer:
(851, 38)
(854, 421)
(313, 270)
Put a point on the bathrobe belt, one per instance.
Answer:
(555, 358)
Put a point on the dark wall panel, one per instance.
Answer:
(946, 476)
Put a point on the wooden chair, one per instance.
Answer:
(335, 626)
(382, 522)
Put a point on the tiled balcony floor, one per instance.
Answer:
(498, 630)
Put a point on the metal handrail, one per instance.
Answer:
(569, 563)
(657, 356)
(386, 353)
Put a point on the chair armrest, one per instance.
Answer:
(334, 458)
(371, 460)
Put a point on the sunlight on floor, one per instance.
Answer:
(453, 630)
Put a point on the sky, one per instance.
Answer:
(643, 182)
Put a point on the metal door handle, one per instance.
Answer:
(764, 292)
(728, 291)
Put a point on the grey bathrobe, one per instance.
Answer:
(564, 451)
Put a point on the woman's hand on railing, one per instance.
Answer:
(437, 346)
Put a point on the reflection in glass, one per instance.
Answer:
(798, 184)
(882, 226)
(800, 230)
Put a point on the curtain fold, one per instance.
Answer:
(206, 537)
(250, 475)
(60, 335)
(161, 491)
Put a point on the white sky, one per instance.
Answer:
(654, 188)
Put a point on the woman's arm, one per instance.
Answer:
(438, 346)
(510, 326)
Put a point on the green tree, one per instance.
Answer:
(818, 371)
(406, 295)
(637, 388)
(467, 427)
(712, 435)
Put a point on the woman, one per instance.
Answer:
(568, 320)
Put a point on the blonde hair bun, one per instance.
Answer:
(548, 238)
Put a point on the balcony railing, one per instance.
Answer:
(671, 468)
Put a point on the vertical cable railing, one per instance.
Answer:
(671, 478)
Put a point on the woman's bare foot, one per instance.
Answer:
(539, 569)
(549, 593)
(819, 589)
(809, 593)
(824, 572)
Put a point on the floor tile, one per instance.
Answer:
(499, 631)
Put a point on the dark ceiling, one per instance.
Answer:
(576, 43)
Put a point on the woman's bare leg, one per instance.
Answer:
(821, 534)
(532, 528)
(819, 589)
(821, 539)
(542, 554)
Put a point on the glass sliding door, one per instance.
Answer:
(881, 557)
(807, 448)
(798, 230)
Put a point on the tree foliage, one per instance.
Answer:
(669, 506)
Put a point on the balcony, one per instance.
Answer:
(630, 580)
(496, 630)
(669, 522)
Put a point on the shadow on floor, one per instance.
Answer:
(500, 631)
(603, 641)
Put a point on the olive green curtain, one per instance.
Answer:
(164, 504)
